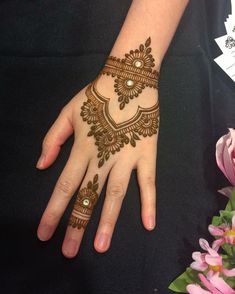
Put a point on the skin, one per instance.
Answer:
(82, 164)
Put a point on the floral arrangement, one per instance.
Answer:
(213, 270)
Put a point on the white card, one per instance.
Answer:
(227, 64)
(233, 6)
(226, 44)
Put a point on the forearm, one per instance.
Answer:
(157, 19)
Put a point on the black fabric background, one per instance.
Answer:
(49, 50)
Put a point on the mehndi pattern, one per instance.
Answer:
(111, 137)
(84, 204)
(133, 73)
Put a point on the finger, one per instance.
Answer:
(85, 202)
(58, 133)
(146, 172)
(65, 187)
(116, 189)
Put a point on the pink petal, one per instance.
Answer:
(215, 231)
(199, 266)
(228, 162)
(226, 191)
(217, 243)
(229, 272)
(196, 289)
(233, 222)
(204, 244)
(207, 284)
(213, 260)
(220, 145)
(229, 239)
(197, 256)
(212, 252)
(232, 133)
(221, 285)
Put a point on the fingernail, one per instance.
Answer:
(103, 241)
(41, 161)
(71, 247)
(45, 232)
(151, 222)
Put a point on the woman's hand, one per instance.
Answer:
(115, 132)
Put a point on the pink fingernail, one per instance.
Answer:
(103, 241)
(151, 222)
(41, 161)
(45, 232)
(71, 247)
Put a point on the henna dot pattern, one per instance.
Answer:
(133, 73)
(84, 204)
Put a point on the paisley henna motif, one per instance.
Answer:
(85, 202)
(111, 137)
(133, 73)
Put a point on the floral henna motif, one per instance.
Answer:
(109, 136)
(133, 73)
(85, 202)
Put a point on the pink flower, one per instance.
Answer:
(210, 261)
(225, 155)
(214, 284)
(225, 232)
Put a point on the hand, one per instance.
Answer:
(110, 140)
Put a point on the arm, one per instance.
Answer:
(156, 18)
(115, 131)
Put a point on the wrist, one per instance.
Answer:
(132, 72)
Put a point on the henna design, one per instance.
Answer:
(133, 73)
(230, 42)
(109, 136)
(85, 202)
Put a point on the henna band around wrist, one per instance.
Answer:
(134, 73)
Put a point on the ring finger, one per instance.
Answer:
(84, 204)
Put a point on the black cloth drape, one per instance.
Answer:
(49, 50)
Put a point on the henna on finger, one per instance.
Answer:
(134, 73)
(84, 204)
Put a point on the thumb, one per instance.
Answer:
(58, 133)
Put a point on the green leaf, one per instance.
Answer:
(231, 203)
(228, 248)
(230, 281)
(229, 260)
(226, 216)
(188, 277)
(216, 221)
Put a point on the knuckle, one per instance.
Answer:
(149, 181)
(115, 191)
(63, 110)
(107, 223)
(46, 143)
(65, 186)
(50, 217)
